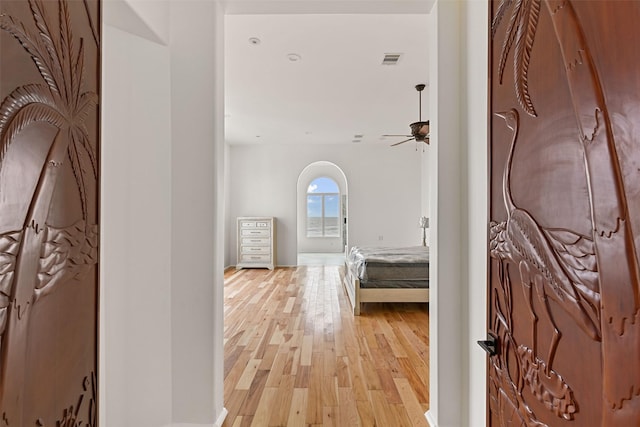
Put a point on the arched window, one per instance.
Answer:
(323, 208)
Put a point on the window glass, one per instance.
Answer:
(323, 185)
(314, 216)
(332, 215)
(323, 208)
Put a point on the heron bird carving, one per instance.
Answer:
(553, 264)
(603, 268)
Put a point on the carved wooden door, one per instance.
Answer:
(49, 132)
(564, 296)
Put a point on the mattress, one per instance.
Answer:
(395, 284)
(402, 265)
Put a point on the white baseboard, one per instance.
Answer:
(218, 422)
(430, 420)
(222, 417)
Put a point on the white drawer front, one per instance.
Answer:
(251, 224)
(255, 232)
(256, 250)
(256, 241)
(262, 224)
(255, 258)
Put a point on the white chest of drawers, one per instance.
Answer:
(256, 242)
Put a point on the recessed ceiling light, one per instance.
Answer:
(294, 57)
(254, 40)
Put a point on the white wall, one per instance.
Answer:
(459, 213)
(144, 18)
(135, 321)
(220, 201)
(425, 171)
(447, 403)
(475, 50)
(196, 280)
(161, 326)
(384, 191)
(311, 172)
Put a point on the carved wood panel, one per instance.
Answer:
(49, 140)
(564, 290)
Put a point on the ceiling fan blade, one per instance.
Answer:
(402, 142)
(398, 135)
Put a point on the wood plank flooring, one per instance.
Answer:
(296, 356)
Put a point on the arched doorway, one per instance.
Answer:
(322, 219)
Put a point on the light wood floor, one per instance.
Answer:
(296, 356)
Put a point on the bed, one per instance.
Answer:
(386, 274)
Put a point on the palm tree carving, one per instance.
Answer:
(44, 256)
(520, 35)
(60, 102)
(618, 280)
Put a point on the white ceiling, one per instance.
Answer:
(338, 89)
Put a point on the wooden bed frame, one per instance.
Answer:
(359, 295)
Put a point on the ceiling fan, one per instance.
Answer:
(419, 129)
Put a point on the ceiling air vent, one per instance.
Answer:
(391, 58)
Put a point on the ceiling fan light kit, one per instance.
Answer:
(419, 129)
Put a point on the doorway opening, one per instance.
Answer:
(322, 219)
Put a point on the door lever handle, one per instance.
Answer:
(490, 345)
